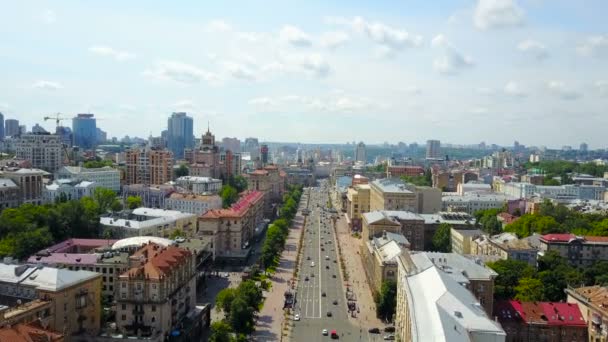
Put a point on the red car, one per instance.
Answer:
(334, 334)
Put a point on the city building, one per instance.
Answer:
(199, 185)
(433, 150)
(84, 131)
(30, 183)
(11, 128)
(37, 310)
(360, 153)
(253, 147)
(67, 189)
(270, 181)
(264, 154)
(100, 135)
(396, 171)
(232, 229)
(152, 196)
(43, 151)
(37, 129)
(391, 194)
(462, 239)
(2, 135)
(578, 250)
(507, 246)
(541, 321)
(357, 203)
(192, 203)
(148, 166)
(380, 258)
(149, 222)
(157, 294)
(205, 158)
(9, 194)
(591, 301)
(180, 134)
(567, 191)
(231, 163)
(472, 202)
(28, 333)
(300, 176)
(75, 296)
(105, 177)
(231, 144)
(432, 305)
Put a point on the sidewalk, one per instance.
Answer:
(268, 325)
(366, 318)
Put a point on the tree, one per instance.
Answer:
(529, 290)
(509, 273)
(134, 202)
(220, 332)
(94, 164)
(229, 195)
(116, 206)
(241, 316)
(441, 239)
(386, 300)
(224, 298)
(104, 199)
(239, 183)
(181, 171)
(251, 293)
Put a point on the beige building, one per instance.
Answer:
(391, 194)
(44, 151)
(357, 203)
(231, 230)
(37, 310)
(591, 300)
(507, 246)
(463, 239)
(409, 224)
(9, 194)
(75, 296)
(150, 222)
(149, 166)
(380, 258)
(191, 203)
(271, 182)
(157, 292)
(30, 183)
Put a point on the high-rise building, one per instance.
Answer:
(43, 151)
(148, 166)
(37, 129)
(84, 130)
(232, 144)
(22, 129)
(264, 154)
(100, 135)
(179, 134)
(433, 149)
(253, 147)
(1, 126)
(66, 135)
(584, 147)
(11, 127)
(204, 159)
(360, 153)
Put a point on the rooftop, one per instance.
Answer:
(390, 215)
(196, 179)
(447, 217)
(239, 208)
(454, 263)
(547, 313)
(80, 169)
(388, 237)
(391, 185)
(5, 182)
(195, 197)
(157, 261)
(153, 217)
(596, 296)
(78, 243)
(568, 238)
(468, 232)
(28, 333)
(138, 241)
(44, 278)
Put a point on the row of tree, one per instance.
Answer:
(386, 301)
(517, 279)
(553, 168)
(423, 180)
(231, 189)
(240, 306)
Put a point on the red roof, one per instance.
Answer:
(549, 313)
(239, 208)
(558, 237)
(563, 314)
(507, 218)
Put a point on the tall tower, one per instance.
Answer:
(84, 131)
(1, 126)
(360, 153)
(264, 154)
(179, 134)
(433, 149)
(11, 127)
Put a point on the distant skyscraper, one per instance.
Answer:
(84, 131)
(11, 127)
(232, 144)
(66, 135)
(22, 129)
(1, 126)
(433, 149)
(584, 147)
(264, 154)
(253, 147)
(360, 153)
(179, 134)
(37, 129)
(101, 136)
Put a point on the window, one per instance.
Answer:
(123, 295)
(153, 319)
(153, 308)
(123, 285)
(154, 286)
(81, 301)
(124, 317)
(124, 306)
(111, 270)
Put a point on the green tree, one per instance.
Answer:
(220, 332)
(251, 293)
(229, 195)
(239, 183)
(94, 164)
(241, 316)
(529, 290)
(134, 202)
(509, 273)
(176, 233)
(104, 199)
(442, 238)
(224, 298)
(386, 300)
(181, 171)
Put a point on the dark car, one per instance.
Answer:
(307, 258)
(374, 331)
(326, 267)
(335, 261)
(312, 275)
(306, 279)
(322, 249)
(328, 313)
(389, 329)
(335, 302)
(334, 276)
(323, 294)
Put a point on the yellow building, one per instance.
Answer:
(462, 240)
(591, 300)
(357, 203)
(391, 194)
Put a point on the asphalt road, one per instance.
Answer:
(323, 278)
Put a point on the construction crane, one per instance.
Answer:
(57, 117)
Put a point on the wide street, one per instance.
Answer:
(321, 300)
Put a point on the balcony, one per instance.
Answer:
(138, 311)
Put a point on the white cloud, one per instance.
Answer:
(596, 46)
(602, 87)
(479, 110)
(49, 16)
(294, 36)
(562, 90)
(264, 102)
(413, 90)
(218, 25)
(179, 72)
(127, 107)
(485, 91)
(514, 89)
(335, 103)
(313, 64)
(452, 60)
(490, 14)
(387, 36)
(533, 48)
(334, 39)
(184, 105)
(239, 71)
(47, 85)
(4, 106)
(251, 37)
(110, 52)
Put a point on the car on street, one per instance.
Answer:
(324, 332)
(335, 302)
(312, 275)
(335, 261)
(306, 278)
(312, 264)
(334, 334)
(327, 257)
(296, 317)
(328, 313)
(322, 249)
(326, 267)
(374, 331)
(389, 337)
(389, 329)
(333, 276)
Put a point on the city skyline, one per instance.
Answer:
(462, 72)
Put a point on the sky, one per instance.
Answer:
(461, 71)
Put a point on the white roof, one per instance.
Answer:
(443, 310)
(389, 251)
(155, 212)
(5, 182)
(137, 241)
(197, 179)
(42, 277)
(391, 185)
(391, 215)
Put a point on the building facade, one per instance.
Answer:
(9, 194)
(463, 239)
(179, 134)
(105, 177)
(433, 149)
(148, 166)
(269, 181)
(66, 189)
(591, 301)
(84, 131)
(360, 153)
(43, 151)
(191, 203)
(199, 185)
(30, 183)
(11, 128)
(149, 222)
(578, 250)
(506, 246)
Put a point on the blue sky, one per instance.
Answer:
(461, 71)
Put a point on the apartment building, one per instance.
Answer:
(391, 194)
(149, 166)
(67, 189)
(149, 222)
(152, 196)
(156, 293)
(9, 194)
(396, 171)
(37, 310)
(270, 182)
(357, 203)
(578, 250)
(472, 202)
(199, 185)
(461, 240)
(43, 151)
(232, 229)
(105, 177)
(30, 183)
(380, 258)
(432, 305)
(75, 296)
(507, 246)
(193, 204)
(591, 301)
(541, 321)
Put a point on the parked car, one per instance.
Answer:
(389, 337)
(328, 313)
(296, 317)
(335, 302)
(389, 329)
(324, 332)
(374, 331)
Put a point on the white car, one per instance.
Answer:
(296, 317)
(325, 332)
(327, 257)
(312, 264)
